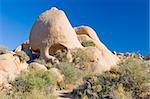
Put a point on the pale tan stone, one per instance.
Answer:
(10, 67)
(52, 28)
(106, 57)
(37, 66)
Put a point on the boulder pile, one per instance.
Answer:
(125, 56)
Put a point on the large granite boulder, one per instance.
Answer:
(52, 31)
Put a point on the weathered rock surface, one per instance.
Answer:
(96, 62)
(10, 67)
(92, 53)
(106, 58)
(52, 31)
(88, 31)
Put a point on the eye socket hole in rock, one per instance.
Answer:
(55, 47)
(60, 52)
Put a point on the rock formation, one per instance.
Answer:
(10, 67)
(52, 31)
(61, 57)
(106, 58)
(25, 47)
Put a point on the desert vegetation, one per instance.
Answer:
(70, 72)
(128, 80)
(87, 43)
(32, 84)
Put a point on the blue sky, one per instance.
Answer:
(122, 25)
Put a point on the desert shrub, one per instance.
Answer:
(127, 80)
(48, 65)
(87, 43)
(33, 80)
(22, 56)
(32, 85)
(80, 58)
(70, 72)
(3, 50)
(119, 93)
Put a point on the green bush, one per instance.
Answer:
(88, 43)
(22, 56)
(70, 72)
(33, 80)
(3, 50)
(32, 85)
(130, 78)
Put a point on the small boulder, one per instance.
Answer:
(37, 66)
